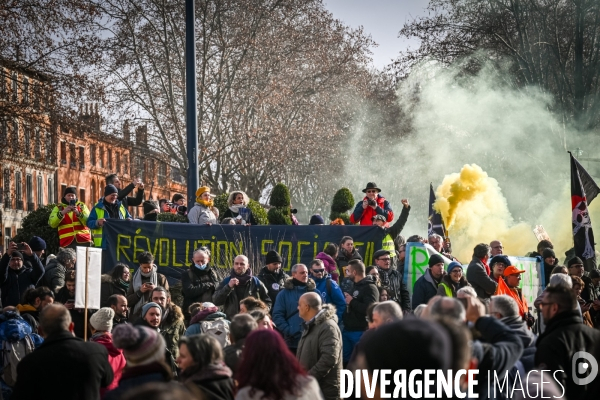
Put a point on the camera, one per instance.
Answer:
(73, 202)
(294, 211)
(371, 202)
(174, 208)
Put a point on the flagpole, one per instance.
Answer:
(85, 309)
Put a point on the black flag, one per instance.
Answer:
(581, 183)
(436, 223)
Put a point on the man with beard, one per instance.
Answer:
(237, 286)
(34, 301)
(346, 254)
(272, 276)
(172, 327)
(391, 278)
(108, 207)
(119, 305)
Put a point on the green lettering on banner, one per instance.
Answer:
(419, 258)
(300, 244)
(263, 250)
(163, 253)
(121, 247)
(175, 263)
(140, 249)
(289, 253)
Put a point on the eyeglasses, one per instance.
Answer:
(384, 259)
(318, 271)
(456, 271)
(371, 191)
(497, 247)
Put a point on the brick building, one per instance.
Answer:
(41, 156)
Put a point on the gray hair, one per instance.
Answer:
(241, 326)
(389, 310)
(296, 266)
(201, 250)
(435, 235)
(419, 310)
(448, 307)
(467, 291)
(505, 305)
(66, 255)
(561, 280)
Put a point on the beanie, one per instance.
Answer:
(141, 345)
(37, 243)
(148, 306)
(70, 190)
(574, 261)
(17, 254)
(177, 197)
(149, 206)
(102, 320)
(435, 259)
(548, 252)
(454, 264)
(110, 189)
(201, 190)
(272, 257)
(316, 220)
(500, 259)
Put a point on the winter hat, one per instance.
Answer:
(177, 197)
(208, 304)
(574, 261)
(435, 259)
(17, 254)
(272, 257)
(378, 217)
(148, 306)
(102, 320)
(149, 206)
(70, 190)
(316, 220)
(141, 345)
(454, 264)
(201, 190)
(37, 243)
(110, 189)
(548, 253)
(500, 259)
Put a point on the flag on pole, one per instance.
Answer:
(436, 223)
(583, 191)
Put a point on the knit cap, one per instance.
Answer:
(102, 320)
(316, 220)
(140, 344)
(37, 243)
(148, 306)
(435, 259)
(110, 189)
(272, 257)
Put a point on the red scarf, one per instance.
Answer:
(487, 268)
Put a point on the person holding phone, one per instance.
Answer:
(144, 280)
(19, 271)
(70, 218)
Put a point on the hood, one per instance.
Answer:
(325, 256)
(53, 263)
(208, 373)
(26, 308)
(518, 326)
(175, 314)
(310, 285)
(105, 278)
(106, 341)
(14, 329)
(327, 312)
(208, 314)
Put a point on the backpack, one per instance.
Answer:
(217, 328)
(12, 354)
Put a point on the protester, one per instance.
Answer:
(201, 362)
(478, 273)
(329, 291)
(144, 280)
(19, 271)
(237, 206)
(203, 211)
(101, 326)
(34, 301)
(198, 283)
(438, 243)
(272, 275)
(328, 257)
(453, 280)
(384, 294)
(446, 307)
(510, 286)
(263, 319)
(123, 193)
(269, 370)
(373, 204)
(118, 304)
(66, 296)
(391, 278)
(144, 350)
(316, 220)
(285, 312)
(542, 244)
(550, 261)
(496, 248)
(151, 317)
(250, 304)
(386, 312)
(564, 336)
(418, 312)
(364, 294)
(240, 328)
(38, 246)
(558, 279)
(54, 277)
(238, 285)
(151, 211)
(584, 306)
(391, 233)
(70, 218)
(320, 347)
(373, 273)
(576, 269)
(346, 254)
(497, 265)
(107, 207)
(172, 327)
(427, 285)
(115, 282)
(41, 375)
(206, 318)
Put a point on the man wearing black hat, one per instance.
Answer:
(70, 218)
(122, 195)
(391, 278)
(108, 207)
(550, 261)
(198, 284)
(15, 276)
(427, 285)
(373, 204)
(272, 276)
(576, 268)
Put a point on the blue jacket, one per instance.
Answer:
(285, 313)
(337, 297)
(425, 288)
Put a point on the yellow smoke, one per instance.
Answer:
(475, 211)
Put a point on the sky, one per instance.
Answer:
(382, 19)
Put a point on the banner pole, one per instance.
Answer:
(85, 309)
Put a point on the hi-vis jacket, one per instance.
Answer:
(99, 212)
(70, 226)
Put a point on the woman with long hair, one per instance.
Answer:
(115, 282)
(269, 371)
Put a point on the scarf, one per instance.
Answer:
(137, 283)
(112, 209)
(122, 284)
(244, 279)
(208, 204)
(384, 277)
(487, 268)
(296, 282)
(235, 208)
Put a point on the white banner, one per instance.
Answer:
(94, 274)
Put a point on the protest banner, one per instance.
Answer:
(87, 280)
(173, 244)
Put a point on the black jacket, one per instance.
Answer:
(365, 293)
(42, 374)
(137, 376)
(108, 287)
(484, 285)
(213, 381)
(226, 296)
(342, 261)
(230, 214)
(273, 282)
(15, 283)
(130, 201)
(396, 284)
(564, 336)
(197, 286)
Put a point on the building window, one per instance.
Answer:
(35, 94)
(3, 91)
(162, 174)
(15, 139)
(29, 192)
(63, 152)
(109, 159)
(93, 155)
(82, 195)
(81, 157)
(25, 90)
(3, 131)
(176, 175)
(15, 87)
(40, 190)
(38, 144)
(118, 162)
(51, 198)
(73, 155)
(27, 140)
(93, 185)
(18, 190)
(7, 199)
(63, 187)
(48, 147)
(126, 163)
(101, 157)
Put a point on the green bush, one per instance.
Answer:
(36, 224)
(279, 216)
(280, 196)
(257, 209)
(168, 217)
(343, 201)
(221, 203)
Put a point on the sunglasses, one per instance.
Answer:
(371, 191)
(318, 271)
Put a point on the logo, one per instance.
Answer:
(583, 364)
(355, 293)
(275, 286)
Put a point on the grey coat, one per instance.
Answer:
(320, 351)
(484, 285)
(201, 215)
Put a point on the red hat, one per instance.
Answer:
(511, 270)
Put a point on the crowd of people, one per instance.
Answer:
(274, 335)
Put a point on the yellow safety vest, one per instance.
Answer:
(388, 245)
(97, 232)
(447, 289)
